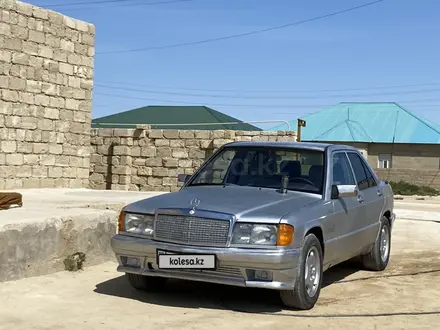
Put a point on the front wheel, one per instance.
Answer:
(309, 281)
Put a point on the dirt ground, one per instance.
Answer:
(405, 296)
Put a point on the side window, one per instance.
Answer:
(342, 174)
(371, 179)
(363, 176)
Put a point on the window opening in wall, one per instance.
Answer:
(385, 161)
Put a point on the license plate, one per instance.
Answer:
(168, 260)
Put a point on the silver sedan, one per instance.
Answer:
(262, 215)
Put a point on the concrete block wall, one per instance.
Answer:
(422, 177)
(46, 81)
(150, 160)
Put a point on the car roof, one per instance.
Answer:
(293, 145)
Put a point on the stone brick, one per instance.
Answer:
(8, 146)
(196, 153)
(153, 162)
(171, 134)
(148, 151)
(41, 99)
(5, 29)
(170, 162)
(27, 98)
(30, 183)
(162, 143)
(40, 13)
(121, 170)
(192, 143)
(37, 37)
(12, 44)
(66, 68)
(155, 181)
(202, 134)
(185, 163)
(9, 95)
(186, 134)
(40, 148)
(13, 121)
(45, 51)
(145, 171)
(14, 159)
(180, 153)
(121, 150)
(56, 149)
(155, 134)
(24, 147)
(51, 113)
(261, 138)
(55, 172)
(177, 143)
(4, 82)
(17, 83)
(164, 152)
(218, 134)
(33, 86)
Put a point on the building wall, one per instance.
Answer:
(404, 156)
(46, 80)
(137, 159)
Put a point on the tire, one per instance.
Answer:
(146, 283)
(375, 260)
(299, 298)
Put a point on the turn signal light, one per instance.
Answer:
(121, 221)
(285, 235)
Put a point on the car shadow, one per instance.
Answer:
(189, 294)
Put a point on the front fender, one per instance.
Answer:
(306, 218)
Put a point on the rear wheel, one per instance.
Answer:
(308, 284)
(146, 283)
(377, 259)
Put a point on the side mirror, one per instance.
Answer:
(339, 191)
(183, 178)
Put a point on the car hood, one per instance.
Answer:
(260, 205)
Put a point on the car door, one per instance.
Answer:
(339, 227)
(370, 198)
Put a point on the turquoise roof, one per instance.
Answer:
(384, 122)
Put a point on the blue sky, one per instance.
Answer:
(290, 70)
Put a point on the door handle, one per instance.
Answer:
(360, 198)
(379, 193)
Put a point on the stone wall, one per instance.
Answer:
(46, 81)
(137, 159)
(420, 177)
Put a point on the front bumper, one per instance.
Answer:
(235, 266)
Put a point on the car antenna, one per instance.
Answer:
(284, 184)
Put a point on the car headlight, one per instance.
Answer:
(254, 233)
(137, 223)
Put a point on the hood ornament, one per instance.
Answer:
(194, 203)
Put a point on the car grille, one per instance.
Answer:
(191, 230)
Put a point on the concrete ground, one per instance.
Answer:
(405, 296)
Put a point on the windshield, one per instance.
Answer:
(265, 168)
